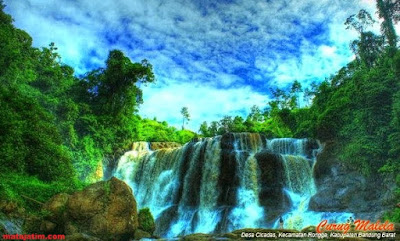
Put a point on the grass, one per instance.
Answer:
(28, 191)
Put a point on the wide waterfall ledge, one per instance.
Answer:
(224, 183)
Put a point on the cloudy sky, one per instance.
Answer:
(217, 57)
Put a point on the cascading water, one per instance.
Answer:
(224, 183)
(298, 160)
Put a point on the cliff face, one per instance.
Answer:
(342, 189)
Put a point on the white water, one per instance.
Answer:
(300, 217)
(167, 178)
(248, 212)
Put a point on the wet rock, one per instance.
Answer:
(311, 146)
(165, 219)
(228, 180)
(271, 195)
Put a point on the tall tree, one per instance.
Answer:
(295, 91)
(360, 21)
(185, 116)
(115, 89)
(114, 98)
(369, 47)
(387, 11)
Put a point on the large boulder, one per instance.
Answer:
(106, 209)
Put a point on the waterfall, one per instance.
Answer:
(219, 184)
(247, 212)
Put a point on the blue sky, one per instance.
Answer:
(215, 57)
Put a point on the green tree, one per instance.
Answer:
(114, 98)
(226, 124)
(238, 124)
(255, 114)
(114, 89)
(387, 11)
(204, 129)
(213, 128)
(185, 116)
(369, 47)
(360, 21)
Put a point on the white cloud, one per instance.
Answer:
(199, 47)
(327, 51)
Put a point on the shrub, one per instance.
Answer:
(146, 220)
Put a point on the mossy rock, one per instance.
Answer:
(55, 207)
(198, 237)
(230, 236)
(32, 224)
(139, 234)
(8, 207)
(146, 221)
(105, 210)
